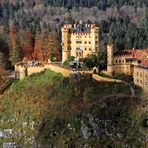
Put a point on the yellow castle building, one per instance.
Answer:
(79, 40)
(131, 62)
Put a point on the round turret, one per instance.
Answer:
(23, 72)
(110, 59)
(65, 42)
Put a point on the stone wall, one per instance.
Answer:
(100, 78)
(34, 69)
(140, 74)
(58, 69)
(22, 71)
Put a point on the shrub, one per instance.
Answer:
(88, 95)
(70, 59)
(124, 77)
(90, 61)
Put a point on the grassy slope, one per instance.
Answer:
(53, 101)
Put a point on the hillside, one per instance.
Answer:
(71, 112)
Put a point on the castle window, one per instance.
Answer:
(89, 49)
(68, 42)
(85, 42)
(137, 73)
(119, 61)
(78, 42)
(140, 81)
(123, 61)
(140, 74)
(69, 48)
(96, 37)
(78, 48)
(89, 42)
(116, 61)
(85, 48)
(137, 81)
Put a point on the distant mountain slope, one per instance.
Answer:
(101, 4)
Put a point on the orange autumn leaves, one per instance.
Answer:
(34, 47)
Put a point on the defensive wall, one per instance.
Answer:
(24, 71)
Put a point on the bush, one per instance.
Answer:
(124, 77)
(90, 61)
(70, 59)
(88, 95)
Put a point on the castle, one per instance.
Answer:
(79, 40)
(131, 62)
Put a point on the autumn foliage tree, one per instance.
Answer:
(14, 43)
(46, 45)
(26, 43)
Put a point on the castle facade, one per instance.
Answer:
(131, 62)
(79, 40)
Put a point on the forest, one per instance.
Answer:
(32, 28)
(76, 111)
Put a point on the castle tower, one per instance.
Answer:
(95, 38)
(66, 42)
(110, 59)
(23, 72)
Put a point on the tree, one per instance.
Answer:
(51, 56)
(91, 61)
(2, 60)
(15, 56)
(14, 45)
(102, 59)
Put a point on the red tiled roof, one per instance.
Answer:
(144, 63)
(139, 54)
(122, 52)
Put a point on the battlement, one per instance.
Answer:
(124, 55)
(67, 26)
(81, 33)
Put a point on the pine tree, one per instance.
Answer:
(15, 56)
(14, 45)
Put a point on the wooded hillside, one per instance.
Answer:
(26, 26)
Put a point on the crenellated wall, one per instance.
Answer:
(24, 71)
(34, 69)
